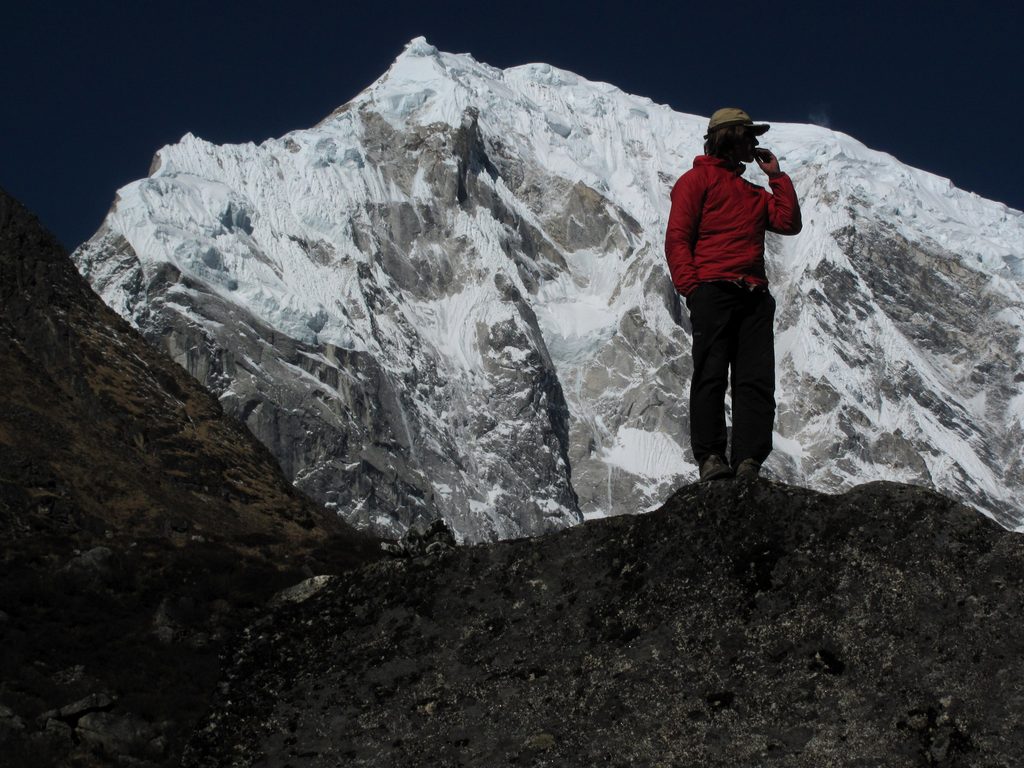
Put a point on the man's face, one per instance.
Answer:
(746, 148)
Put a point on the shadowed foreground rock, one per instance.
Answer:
(743, 624)
(138, 525)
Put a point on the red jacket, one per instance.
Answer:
(717, 224)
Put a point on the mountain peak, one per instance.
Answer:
(419, 46)
(423, 315)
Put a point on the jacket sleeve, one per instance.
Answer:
(783, 207)
(681, 235)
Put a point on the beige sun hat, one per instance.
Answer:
(733, 116)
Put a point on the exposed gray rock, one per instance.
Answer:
(9, 720)
(436, 540)
(301, 591)
(70, 675)
(116, 735)
(97, 564)
(58, 731)
(164, 627)
(94, 702)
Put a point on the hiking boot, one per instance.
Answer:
(748, 469)
(714, 468)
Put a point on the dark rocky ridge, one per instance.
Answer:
(743, 624)
(139, 524)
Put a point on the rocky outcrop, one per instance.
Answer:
(138, 524)
(743, 623)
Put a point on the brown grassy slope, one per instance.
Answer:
(130, 438)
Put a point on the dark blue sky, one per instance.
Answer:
(93, 89)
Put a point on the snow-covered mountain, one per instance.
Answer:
(449, 298)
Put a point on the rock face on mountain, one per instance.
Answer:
(743, 623)
(138, 524)
(449, 299)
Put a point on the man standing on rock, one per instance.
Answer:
(715, 250)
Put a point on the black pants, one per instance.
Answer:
(732, 329)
